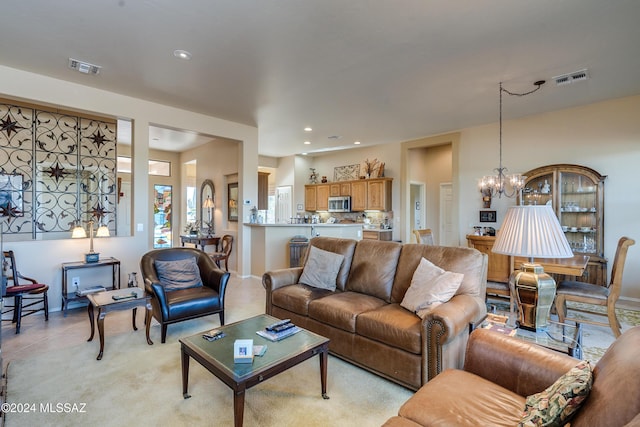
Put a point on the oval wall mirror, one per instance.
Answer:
(207, 206)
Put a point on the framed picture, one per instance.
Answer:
(11, 195)
(346, 173)
(232, 195)
(487, 216)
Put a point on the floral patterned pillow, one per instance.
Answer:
(555, 405)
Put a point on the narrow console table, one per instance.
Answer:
(67, 296)
(201, 241)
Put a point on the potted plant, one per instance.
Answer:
(192, 228)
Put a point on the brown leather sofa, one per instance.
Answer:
(500, 371)
(184, 304)
(363, 317)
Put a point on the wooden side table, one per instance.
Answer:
(105, 302)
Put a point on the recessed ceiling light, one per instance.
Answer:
(357, 143)
(308, 129)
(307, 142)
(304, 154)
(182, 54)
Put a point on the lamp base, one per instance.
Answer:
(91, 257)
(534, 292)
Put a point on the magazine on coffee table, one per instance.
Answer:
(277, 336)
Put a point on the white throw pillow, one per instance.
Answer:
(430, 287)
(321, 269)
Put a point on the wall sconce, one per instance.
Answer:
(79, 232)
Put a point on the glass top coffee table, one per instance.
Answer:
(563, 337)
(217, 357)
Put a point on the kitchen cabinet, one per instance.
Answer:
(576, 194)
(358, 196)
(316, 197)
(263, 191)
(366, 194)
(377, 234)
(340, 189)
(379, 194)
(310, 198)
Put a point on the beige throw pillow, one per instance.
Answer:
(321, 269)
(430, 287)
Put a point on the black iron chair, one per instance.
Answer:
(172, 306)
(27, 298)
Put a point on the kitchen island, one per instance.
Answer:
(270, 242)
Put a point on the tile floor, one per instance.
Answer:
(245, 298)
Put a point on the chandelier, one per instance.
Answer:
(492, 185)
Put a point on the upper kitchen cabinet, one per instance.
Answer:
(340, 189)
(358, 196)
(316, 197)
(379, 194)
(263, 190)
(576, 194)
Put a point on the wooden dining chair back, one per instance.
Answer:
(28, 298)
(590, 294)
(226, 246)
(424, 236)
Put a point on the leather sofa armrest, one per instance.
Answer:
(519, 366)
(274, 279)
(446, 329)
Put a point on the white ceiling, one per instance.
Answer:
(375, 71)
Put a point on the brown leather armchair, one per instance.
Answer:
(184, 304)
(500, 371)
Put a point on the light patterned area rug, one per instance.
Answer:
(138, 384)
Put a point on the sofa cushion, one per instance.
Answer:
(555, 405)
(373, 268)
(468, 261)
(321, 269)
(344, 247)
(178, 274)
(459, 398)
(296, 298)
(341, 309)
(392, 325)
(430, 287)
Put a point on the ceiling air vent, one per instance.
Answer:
(83, 67)
(569, 78)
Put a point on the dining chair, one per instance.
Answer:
(590, 294)
(424, 236)
(24, 296)
(226, 246)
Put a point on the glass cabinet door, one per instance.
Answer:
(576, 194)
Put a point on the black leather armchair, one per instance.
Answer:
(184, 304)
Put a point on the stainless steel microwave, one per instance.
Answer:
(340, 204)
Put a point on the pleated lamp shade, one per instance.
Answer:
(532, 232)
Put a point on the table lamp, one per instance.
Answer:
(79, 232)
(209, 205)
(532, 232)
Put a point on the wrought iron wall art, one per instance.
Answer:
(67, 166)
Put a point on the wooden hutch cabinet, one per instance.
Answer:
(499, 267)
(576, 194)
